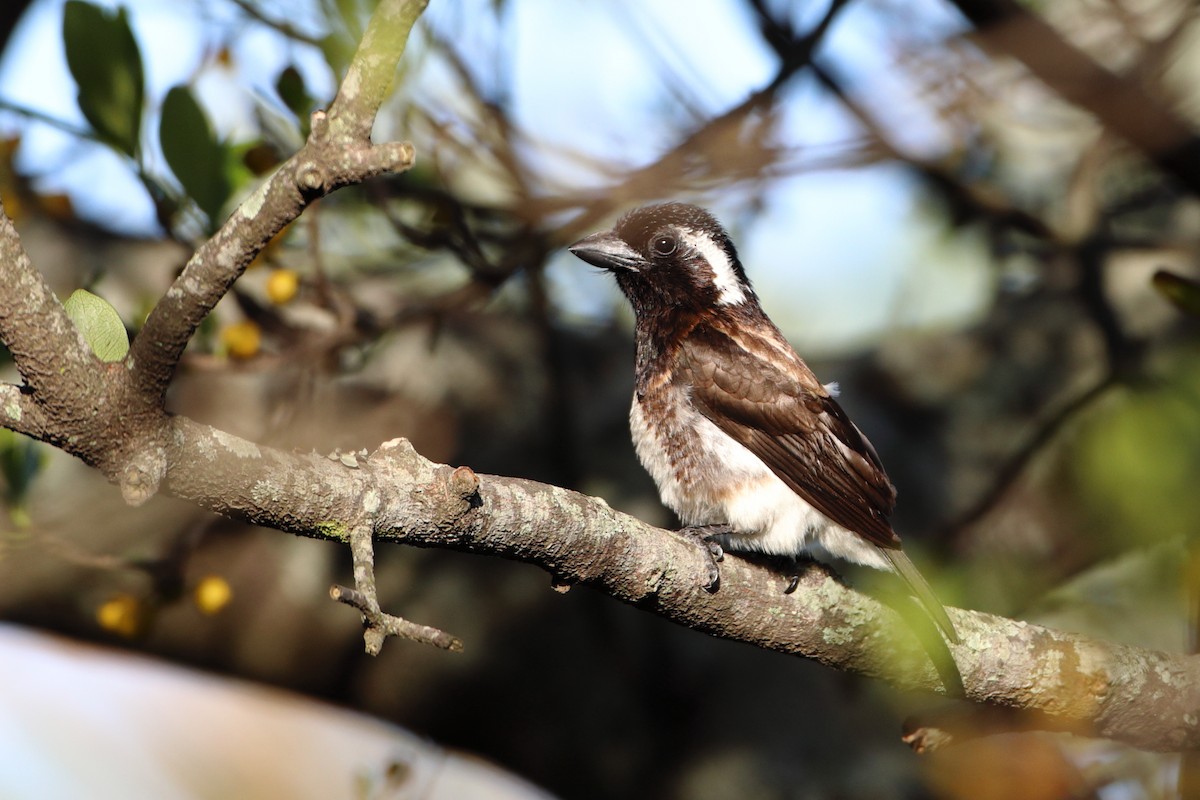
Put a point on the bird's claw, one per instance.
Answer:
(702, 536)
(793, 564)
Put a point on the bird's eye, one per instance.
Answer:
(664, 245)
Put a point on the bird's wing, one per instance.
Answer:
(759, 392)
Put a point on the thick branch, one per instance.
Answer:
(1141, 697)
(48, 350)
(112, 416)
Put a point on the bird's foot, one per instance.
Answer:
(702, 536)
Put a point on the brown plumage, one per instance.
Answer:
(728, 419)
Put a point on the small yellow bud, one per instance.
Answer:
(121, 615)
(282, 285)
(242, 339)
(212, 594)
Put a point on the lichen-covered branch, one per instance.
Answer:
(1146, 698)
(50, 353)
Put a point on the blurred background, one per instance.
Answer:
(940, 202)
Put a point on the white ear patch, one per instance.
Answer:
(729, 289)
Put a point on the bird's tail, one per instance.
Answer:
(920, 587)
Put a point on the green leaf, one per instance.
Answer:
(294, 94)
(105, 61)
(99, 323)
(198, 159)
(1183, 292)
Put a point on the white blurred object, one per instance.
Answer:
(81, 721)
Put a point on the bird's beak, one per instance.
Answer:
(607, 251)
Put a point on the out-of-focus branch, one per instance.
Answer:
(1007, 474)
(968, 201)
(714, 152)
(290, 31)
(1119, 103)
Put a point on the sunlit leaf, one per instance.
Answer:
(105, 61)
(99, 323)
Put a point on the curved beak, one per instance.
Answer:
(607, 251)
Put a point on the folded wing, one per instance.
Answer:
(767, 400)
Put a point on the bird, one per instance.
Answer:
(744, 443)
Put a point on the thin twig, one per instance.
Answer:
(377, 625)
(47, 119)
(1012, 469)
(290, 31)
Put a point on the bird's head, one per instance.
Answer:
(672, 255)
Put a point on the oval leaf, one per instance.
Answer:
(99, 323)
(294, 94)
(105, 61)
(194, 153)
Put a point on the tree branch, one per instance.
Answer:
(290, 31)
(1146, 698)
(56, 362)
(378, 625)
(1118, 102)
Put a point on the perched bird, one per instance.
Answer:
(744, 442)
